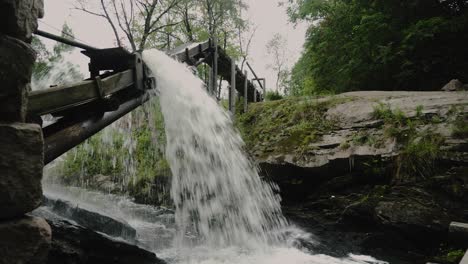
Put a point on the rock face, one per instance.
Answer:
(18, 18)
(91, 220)
(24, 240)
(384, 169)
(453, 85)
(73, 244)
(338, 134)
(21, 162)
(16, 62)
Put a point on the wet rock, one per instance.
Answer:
(105, 183)
(453, 85)
(92, 220)
(20, 169)
(18, 18)
(16, 62)
(24, 240)
(73, 244)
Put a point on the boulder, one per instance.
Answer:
(24, 240)
(92, 220)
(453, 85)
(73, 244)
(18, 18)
(21, 166)
(16, 61)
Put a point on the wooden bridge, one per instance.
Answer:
(120, 82)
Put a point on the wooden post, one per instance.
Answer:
(255, 95)
(264, 89)
(246, 94)
(214, 68)
(232, 87)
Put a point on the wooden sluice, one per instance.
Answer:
(196, 53)
(119, 82)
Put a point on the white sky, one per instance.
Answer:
(265, 14)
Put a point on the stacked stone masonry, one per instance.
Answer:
(23, 239)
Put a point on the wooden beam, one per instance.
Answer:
(245, 92)
(232, 87)
(60, 98)
(215, 68)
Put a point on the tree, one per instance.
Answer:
(245, 36)
(380, 44)
(50, 66)
(276, 48)
(137, 20)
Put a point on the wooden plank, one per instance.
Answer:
(64, 97)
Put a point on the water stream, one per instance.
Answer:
(224, 212)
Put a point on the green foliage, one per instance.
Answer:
(47, 60)
(273, 96)
(380, 45)
(289, 124)
(460, 127)
(453, 256)
(419, 155)
(134, 160)
(420, 148)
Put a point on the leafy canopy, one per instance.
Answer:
(380, 45)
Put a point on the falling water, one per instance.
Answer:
(224, 212)
(216, 190)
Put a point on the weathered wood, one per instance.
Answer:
(215, 68)
(255, 98)
(245, 92)
(60, 98)
(66, 134)
(192, 52)
(232, 87)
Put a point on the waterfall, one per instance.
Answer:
(224, 212)
(216, 190)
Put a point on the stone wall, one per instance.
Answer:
(23, 239)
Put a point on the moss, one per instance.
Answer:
(286, 125)
(345, 145)
(453, 256)
(460, 127)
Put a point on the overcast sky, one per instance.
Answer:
(265, 14)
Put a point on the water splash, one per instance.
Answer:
(216, 190)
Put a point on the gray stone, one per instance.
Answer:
(24, 240)
(92, 220)
(16, 61)
(465, 258)
(18, 18)
(73, 243)
(453, 85)
(21, 164)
